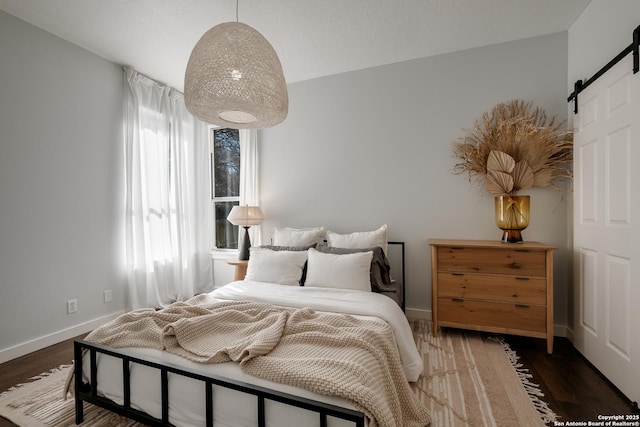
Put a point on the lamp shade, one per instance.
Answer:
(234, 79)
(245, 216)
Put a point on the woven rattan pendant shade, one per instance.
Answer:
(234, 79)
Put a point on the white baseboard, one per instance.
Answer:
(560, 331)
(418, 313)
(54, 338)
(569, 333)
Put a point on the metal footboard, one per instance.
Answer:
(87, 392)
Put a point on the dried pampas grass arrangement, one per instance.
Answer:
(514, 147)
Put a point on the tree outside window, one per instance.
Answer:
(225, 176)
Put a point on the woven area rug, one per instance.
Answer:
(473, 379)
(469, 379)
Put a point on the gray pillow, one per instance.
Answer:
(288, 248)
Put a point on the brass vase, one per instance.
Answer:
(512, 216)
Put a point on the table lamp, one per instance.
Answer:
(245, 216)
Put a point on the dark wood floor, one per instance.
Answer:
(19, 370)
(572, 387)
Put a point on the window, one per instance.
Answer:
(225, 184)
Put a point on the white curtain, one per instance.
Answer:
(249, 174)
(168, 206)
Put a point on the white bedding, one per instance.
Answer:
(234, 409)
(335, 301)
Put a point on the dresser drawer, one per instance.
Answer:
(513, 261)
(510, 317)
(514, 289)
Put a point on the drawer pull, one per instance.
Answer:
(523, 250)
(522, 306)
(457, 299)
(457, 274)
(522, 278)
(456, 249)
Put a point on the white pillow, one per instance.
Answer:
(298, 236)
(348, 271)
(359, 239)
(283, 267)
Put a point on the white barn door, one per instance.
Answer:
(607, 226)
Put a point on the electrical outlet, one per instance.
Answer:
(72, 306)
(108, 296)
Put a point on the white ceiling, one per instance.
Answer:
(313, 38)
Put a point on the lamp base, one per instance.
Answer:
(243, 253)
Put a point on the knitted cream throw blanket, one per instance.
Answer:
(331, 354)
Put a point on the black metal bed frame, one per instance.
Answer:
(402, 268)
(88, 391)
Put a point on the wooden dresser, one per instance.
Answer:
(492, 286)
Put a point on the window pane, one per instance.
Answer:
(226, 233)
(226, 154)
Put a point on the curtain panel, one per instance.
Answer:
(168, 206)
(249, 188)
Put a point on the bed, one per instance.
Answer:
(168, 387)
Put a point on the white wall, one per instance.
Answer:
(369, 147)
(601, 32)
(357, 150)
(61, 188)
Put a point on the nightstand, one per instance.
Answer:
(492, 286)
(241, 269)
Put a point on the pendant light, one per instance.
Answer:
(234, 79)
